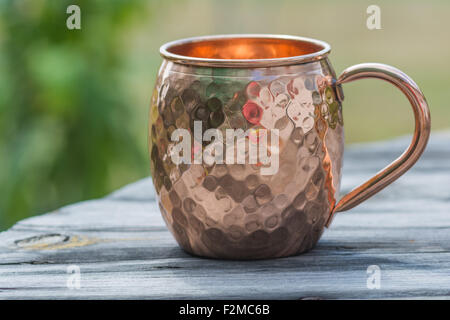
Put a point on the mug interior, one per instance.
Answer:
(245, 49)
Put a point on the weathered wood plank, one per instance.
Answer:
(124, 250)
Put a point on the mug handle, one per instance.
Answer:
(419, 141)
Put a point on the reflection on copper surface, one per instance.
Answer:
(233, 211)
(245, 48)
(327, 164)
(245, 51)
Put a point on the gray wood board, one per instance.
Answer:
(124, 251)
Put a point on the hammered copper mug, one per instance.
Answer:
(254, 82)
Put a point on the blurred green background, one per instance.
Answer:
(73, 103)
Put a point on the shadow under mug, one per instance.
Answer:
(259, 84)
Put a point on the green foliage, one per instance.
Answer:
(65, 133)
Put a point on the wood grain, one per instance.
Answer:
(124, 250)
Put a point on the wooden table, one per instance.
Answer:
(123, 250)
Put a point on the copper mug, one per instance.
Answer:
(281, 84)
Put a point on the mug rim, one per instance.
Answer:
(244, 63)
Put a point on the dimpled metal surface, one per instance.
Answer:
(232, 211)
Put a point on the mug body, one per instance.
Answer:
(246, 209)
